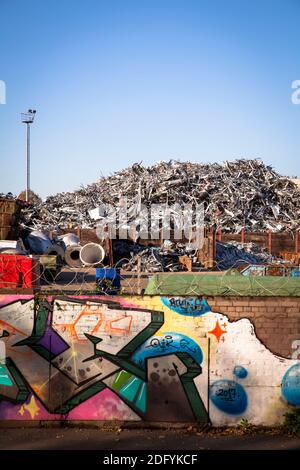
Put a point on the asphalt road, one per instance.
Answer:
(135, 439)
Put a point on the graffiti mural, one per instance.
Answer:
(64, 355)
(191, 306)
(291, 385)
(167, 343)
(229, 396)
(134, 358)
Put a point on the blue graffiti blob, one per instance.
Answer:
(290, 386)
(229, 396)
(193, 306)
(240, 372)
(165, 344)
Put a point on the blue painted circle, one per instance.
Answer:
(290, 386)
(229, 396)
(165, 344)
(240, 372)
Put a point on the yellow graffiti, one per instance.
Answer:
(32, 408)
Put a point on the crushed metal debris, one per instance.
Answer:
(166, 258)
(243, 193)
(234, 254)
(160, 259)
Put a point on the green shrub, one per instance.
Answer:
(245, 426)
(292, 421)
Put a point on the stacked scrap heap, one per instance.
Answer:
(243, 193)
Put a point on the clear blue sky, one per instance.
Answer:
(120, 81)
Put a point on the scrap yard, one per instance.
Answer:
(149, 230)
(125, 286)
(249, 229)
(250, 217)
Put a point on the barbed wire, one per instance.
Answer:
(20, 274)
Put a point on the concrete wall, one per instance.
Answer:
(215, 360)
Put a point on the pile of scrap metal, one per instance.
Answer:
(234, 254)
(66, 248)
(7, 196)
(242, 193)
(12, 247)
(166, 258)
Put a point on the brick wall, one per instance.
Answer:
(276, 320)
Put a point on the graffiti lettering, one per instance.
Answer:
(228, 394)
(192, 306)
(77, 353)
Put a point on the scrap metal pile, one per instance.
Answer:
(166, 257)
(243, 193)
(234, 254)
(66, 248)
(159, 259)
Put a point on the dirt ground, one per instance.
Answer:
(137, 439)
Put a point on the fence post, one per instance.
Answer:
(243, 235)
(270, 241)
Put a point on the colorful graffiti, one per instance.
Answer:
(63, 352)
(133, 358)
(291, 385)
(240, 372)
(167, 343)
(190, 306)
(229, 396)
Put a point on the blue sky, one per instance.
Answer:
(121, 81)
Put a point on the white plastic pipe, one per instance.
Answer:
(92, 254)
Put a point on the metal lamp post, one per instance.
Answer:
(28, 118)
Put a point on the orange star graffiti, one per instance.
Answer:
(218, 331)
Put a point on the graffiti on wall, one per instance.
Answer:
(229, 396)
(291, 385)
(151, 358)
(64, 353)
(191, 306)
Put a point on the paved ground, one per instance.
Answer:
(95, 439)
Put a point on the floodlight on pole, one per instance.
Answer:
(28, 118)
